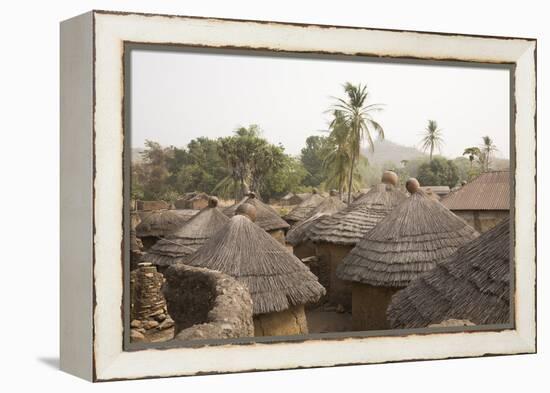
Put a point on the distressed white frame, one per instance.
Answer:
(110, 31)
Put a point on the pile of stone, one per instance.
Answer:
(149, 318)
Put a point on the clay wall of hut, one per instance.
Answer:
(284, 323)
(330, 257)
(206, 304)
(482, 220)
(369, 305)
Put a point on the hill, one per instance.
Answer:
(386, 150)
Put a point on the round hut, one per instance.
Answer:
(298, 235)
(334, 236)
(414, 237)
(304, 209)
(266, 217)
(176, 247)
(471, 285)
(279, 284)
(157, 224)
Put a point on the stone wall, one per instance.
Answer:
(207, 304)
(149, 319)
(482, 220)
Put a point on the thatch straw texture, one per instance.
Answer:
(187, 239)
(161, 223)
(267, 218)
(473, 284)
(304, 209)
(299, 233)
(410, 240)
(349, 226)
(275, 278)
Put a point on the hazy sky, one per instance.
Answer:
(178, 96)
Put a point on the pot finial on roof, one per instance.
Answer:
(314, 191)
(212, 201)
(390, 177)
(251, 195)
(248, 210)
(333, 192)
(412, 185)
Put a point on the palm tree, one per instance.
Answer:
(356, 116)
(488, 148)
(433, 138)
(472, 153)
(337, 160)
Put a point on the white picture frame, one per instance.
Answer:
(92, 195)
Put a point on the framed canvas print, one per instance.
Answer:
(247, 195)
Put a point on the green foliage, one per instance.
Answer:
(312, 157)
(438, 172)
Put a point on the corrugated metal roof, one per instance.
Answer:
(489, 191)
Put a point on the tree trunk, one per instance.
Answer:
(431, 152)
(351, 178)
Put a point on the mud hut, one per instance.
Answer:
(414, 237)
(160, 223)
(290, 199)
(304, 209)
(334, 236)
(298, 235)
(188, 238)
(266, 217)
(279, 284)
(473, 285)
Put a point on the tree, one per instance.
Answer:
(438, 172)
(312, 157)
(488, 149)
(356, 115)
(337, 159)
(472, 153)
(433, 138)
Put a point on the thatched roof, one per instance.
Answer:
(275, 278)
(161, 223)
(187, 239)
(267, 218)
(305, 208)
(299, 233)
(349, 226)
(414, 237)
(473, 284)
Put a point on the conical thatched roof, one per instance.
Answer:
(409, 241)
(304, 209)
(275, 278)
(473, 284)
(161, 223)
(267, 218)
(299, 233)
(349, 226)
(187, 239)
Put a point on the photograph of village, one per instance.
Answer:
(283, 196)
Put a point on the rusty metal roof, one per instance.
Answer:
(489, 191)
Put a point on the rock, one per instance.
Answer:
(135, 323)
(166, 324)
(150, 324)
(160, 317)
(136, 336)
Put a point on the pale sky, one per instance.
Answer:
(179, 96)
